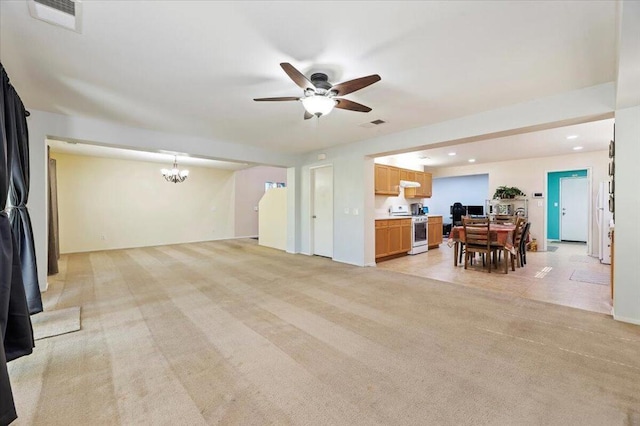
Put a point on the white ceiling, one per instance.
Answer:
(193, 67)
(587, 137)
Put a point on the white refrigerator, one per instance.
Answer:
(604, 218)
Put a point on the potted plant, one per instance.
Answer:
(507, 192)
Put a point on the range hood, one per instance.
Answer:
(409, 184)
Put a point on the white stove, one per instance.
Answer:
(419, 228)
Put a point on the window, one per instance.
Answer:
(269, 185)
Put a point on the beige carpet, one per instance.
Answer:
(232, 333)
(56, 322)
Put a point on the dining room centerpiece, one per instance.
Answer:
(508, 192)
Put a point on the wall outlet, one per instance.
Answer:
(346, 210)
(103, 237)
(255, 208)
(355, 212)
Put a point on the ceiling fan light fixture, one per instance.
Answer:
(318, 105)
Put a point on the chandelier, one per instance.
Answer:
(175, 175)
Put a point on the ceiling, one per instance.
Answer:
(193, 67)
(587, 137)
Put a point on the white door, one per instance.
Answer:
(322, 211)
(574, 209)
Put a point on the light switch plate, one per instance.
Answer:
(355, 212)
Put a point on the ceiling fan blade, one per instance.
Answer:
(307, 115)
(352, 106)
(347, 87)
(297, 77)
(284, 98)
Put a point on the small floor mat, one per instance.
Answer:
(583, 258)
(55, 323)
(591, 277)
(551, 248)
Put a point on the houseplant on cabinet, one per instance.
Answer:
(508, 192)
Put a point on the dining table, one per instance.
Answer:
(500, 235)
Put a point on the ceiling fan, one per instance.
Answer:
(320, 96)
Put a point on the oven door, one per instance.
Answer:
(419, 237)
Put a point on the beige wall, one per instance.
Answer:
(530, 176)
(108, 203)
(249, 190)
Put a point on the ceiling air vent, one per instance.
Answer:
(373, 123)
(64, 13)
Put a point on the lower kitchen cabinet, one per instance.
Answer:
(435, 231)
(392, 237)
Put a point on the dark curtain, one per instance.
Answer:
(18, 134)
(15, 323)
(54, 245)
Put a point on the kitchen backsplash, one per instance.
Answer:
(383, 202)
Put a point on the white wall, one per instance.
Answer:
(470, 190)
(402, 162)
(273, 219)
(107, 203)
(627, 206)
(530, 176)
(249, 185)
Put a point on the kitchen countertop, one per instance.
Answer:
(403, 217)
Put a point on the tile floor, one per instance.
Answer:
(546, 277)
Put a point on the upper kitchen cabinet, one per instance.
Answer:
(409, 175)
(424, 191)
(425, 185)
(387, 180)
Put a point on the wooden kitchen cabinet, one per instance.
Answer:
(408, 175)
(387, 180)
(392, 237)
(382, 237)
(424, 191)
(434, 237)
(395, 236)
(426, 185)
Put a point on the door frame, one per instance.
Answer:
(545, 199)
(312, 196)
(589, 206)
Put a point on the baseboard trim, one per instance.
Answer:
(625, 319)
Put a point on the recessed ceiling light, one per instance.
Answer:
(472, 160)
(577, 148)
(452, 154)
(572, 137)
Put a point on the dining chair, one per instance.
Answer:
(459, 243)
(522, 249)
(517, 240)
(477, 239)
(504, 219)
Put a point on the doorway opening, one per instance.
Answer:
(569, 207)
